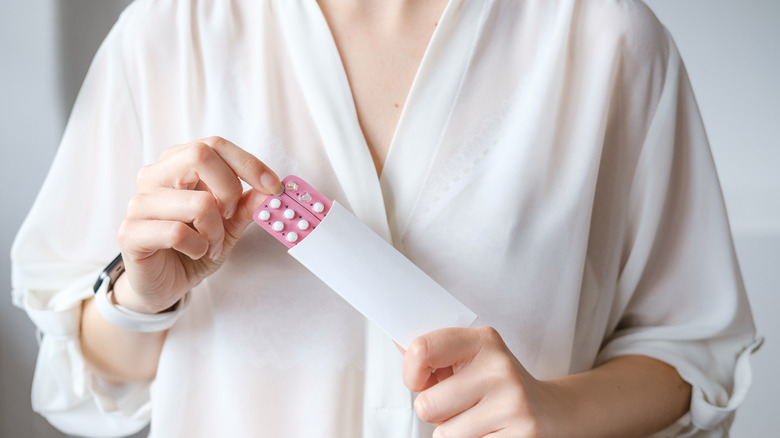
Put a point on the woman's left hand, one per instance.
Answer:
(471, 385)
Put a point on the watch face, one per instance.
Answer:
(112, 271)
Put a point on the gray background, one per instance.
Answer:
(731, 51)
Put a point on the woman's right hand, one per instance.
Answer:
(188, 214)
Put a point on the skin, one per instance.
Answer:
(381, 45)
(189, 213)
(471, 385)
(180, 227)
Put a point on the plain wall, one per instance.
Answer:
(730, 49)
(45, 48)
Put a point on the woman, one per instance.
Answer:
(544, 161)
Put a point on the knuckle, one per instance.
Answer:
(136, 205)
(215, 141)
(202, 203)
(442, 432)
(200, 153)
(501, 373)
(143, 175)
(419, 348)
(177, 234)
(123, 234)
(250, 164)
(489, 335)
(506, 367)
(505, 364)
(489, 339)
(424, 407)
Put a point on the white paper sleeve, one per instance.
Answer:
(377, 280)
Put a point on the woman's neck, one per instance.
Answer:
(385, 15)
(381, 43)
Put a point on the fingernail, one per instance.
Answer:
(215, 251)
(271, 183)
(230, 211)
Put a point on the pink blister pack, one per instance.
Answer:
(294, 214)
(358, 264)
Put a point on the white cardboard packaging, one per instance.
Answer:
(377, 280)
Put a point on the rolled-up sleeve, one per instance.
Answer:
(68, 236)
(64, 389)
(681, 295)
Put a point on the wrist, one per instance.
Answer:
(123, 295)
(626, 396)
(574, 414)
(565, 410)
(127, 318)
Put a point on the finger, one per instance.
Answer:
(206, 160)
(247, 166)
(507, 433)
(437, 375)
(140, 239)
(250, 201)
(197, 166)
(243, 164)
(441, 374)
(451, 396)
(482, 419)
(188, 206)
(438, 349)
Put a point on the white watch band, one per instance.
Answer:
(135, 321)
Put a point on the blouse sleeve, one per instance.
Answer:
(67, 238)
(682, 299)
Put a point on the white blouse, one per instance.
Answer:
(549, 169)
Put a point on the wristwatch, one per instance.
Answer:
(112, 272)
(124, 317)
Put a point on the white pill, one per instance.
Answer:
(303, 224)
(278, 226)
(292, 237)
(289, 213)
(275, 203)
(318, 207)
(264, 215)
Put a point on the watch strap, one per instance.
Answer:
(129, 319)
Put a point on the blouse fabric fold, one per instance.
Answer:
(550, 169)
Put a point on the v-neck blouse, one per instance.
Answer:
(549, 169)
